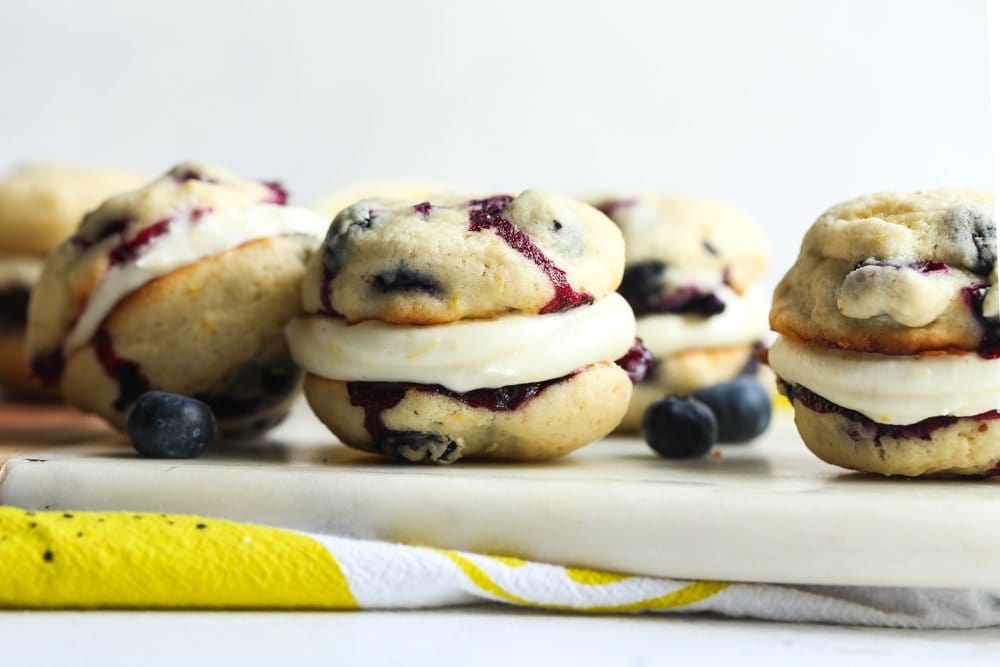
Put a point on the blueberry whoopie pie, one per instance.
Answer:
(468, 328)
(40, 205)
(690, 277)
(183, 285)
(890, 335)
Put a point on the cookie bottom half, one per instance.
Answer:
(427, 423)
(938, 446)
(212, 330)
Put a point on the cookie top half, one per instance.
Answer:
(706, 241)
(122, 230)
(41, 204)
(460, 257)
(896, 273)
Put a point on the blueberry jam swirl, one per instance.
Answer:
(488, 214)
(128, 250)
(132, 383)
(920, 266)
(423, 209)
(644, 287)
(864, 428)
(377, 397)
(637, 362)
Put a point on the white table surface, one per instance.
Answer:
(487, 635)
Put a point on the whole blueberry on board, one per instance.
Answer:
(680, 428)
(742, 408)
(167, 426)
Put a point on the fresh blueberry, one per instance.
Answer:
(742, 408)
(680, 428)
(168, 426)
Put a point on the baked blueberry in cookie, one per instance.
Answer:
(183, 285)
(468, 328)
(690, 278)
(889, 347)
(40, 205)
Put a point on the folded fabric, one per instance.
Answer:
(146, 561)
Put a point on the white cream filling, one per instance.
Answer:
(891, 389)
(468, 354)
(19, 269)
(743, 321)
(187, 240)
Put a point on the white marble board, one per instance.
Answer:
(764, 512)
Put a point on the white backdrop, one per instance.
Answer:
(779, 106)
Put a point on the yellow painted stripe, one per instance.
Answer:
(510, 561)
(593, 577)
(688, 595)
(123, 560)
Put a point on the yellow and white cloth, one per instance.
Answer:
(122, 560)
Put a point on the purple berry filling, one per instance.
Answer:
(975, 297)
(278, 194)
(643, 287)
(637, 362)
(863, 428)
(488, 214)
(129, 250)
(182, 175)
(14, 307)
(690, 301)
(377, 397)
(423, 209)
(325, 298)
(131, 381)
(921, 266)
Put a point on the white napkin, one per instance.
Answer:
(393, 576)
